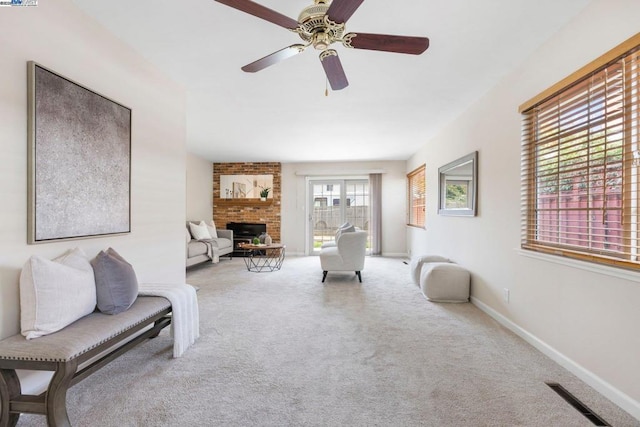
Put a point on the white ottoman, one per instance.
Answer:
(445, 282)
(418, 261)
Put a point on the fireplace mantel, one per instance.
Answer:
(242, 202)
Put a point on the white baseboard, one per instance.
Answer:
(616, 396)
(388, 254)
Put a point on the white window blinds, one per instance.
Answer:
(417, 197)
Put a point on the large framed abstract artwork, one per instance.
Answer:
(79, 160)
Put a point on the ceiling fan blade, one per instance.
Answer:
(387, 43)
(341, 10)
(262, 12)
(274, 58)
(333, 69)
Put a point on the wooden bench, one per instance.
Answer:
(73, 354)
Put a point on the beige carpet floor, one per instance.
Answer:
(283, 349)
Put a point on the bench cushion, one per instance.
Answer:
(82, 335)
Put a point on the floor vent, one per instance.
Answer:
(581, 407)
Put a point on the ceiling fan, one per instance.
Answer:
(320, 25)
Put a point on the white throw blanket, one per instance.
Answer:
(185, 320)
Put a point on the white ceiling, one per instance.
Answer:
(394, 102)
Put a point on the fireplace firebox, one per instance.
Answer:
(244, 232)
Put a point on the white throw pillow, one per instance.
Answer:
(188, 236)
(200, 231)
(348, 229)
(55, 293)
(212, 229)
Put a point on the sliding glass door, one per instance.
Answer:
(332, 202)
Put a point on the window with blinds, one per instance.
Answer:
(417, 197)
(581, 163)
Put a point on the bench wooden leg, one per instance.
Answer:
(9, 390)
(159, 325)
(57, 394)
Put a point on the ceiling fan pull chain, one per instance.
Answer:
(326, 86)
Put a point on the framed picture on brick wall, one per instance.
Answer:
(245, 186)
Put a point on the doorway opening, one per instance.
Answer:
(332, 202)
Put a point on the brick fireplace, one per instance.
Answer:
(248, 210)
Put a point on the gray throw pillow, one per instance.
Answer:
(116, 282)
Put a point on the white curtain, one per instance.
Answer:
(375, 229)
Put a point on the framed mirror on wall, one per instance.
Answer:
(458, 186)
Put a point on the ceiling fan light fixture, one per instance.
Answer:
(321, 40)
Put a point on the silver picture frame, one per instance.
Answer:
(458, 187)
(79, 160)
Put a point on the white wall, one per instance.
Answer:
(294, 190)
(586, 320)
(199, 188)
(58, 36)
